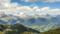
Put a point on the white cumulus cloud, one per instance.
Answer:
(14, 9)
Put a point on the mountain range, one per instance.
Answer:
(40, 23)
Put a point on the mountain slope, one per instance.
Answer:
(54, 31)
(42, 23)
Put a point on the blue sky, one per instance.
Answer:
(41, 8)
(32, 6)
(40, 4)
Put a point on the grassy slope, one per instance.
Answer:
(55, 31)
(1, 32)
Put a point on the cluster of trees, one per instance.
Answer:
(17, 29)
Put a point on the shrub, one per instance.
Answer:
(11, 32)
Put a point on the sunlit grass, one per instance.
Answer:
(55, 31)
(1, 32)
